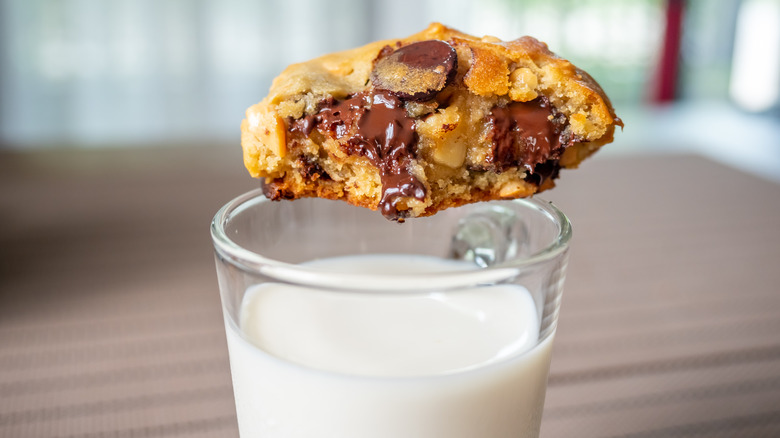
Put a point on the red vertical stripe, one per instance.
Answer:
(668, 66)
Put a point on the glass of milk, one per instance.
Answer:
(342, 324)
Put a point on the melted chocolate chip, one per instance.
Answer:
(529, 134)
(336, 118)
(310, 169)
(275, 191)
(543, 172)
(396, 187)
(387, 134)
(304, 125)
(417, 71)
(374, 125)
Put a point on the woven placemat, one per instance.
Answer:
(110, 323)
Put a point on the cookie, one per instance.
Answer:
(420, 124)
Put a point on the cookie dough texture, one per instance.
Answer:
(468, 141)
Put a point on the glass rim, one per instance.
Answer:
(310, 276)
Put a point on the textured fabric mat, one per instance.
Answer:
(110, 323)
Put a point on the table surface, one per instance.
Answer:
(110, 323)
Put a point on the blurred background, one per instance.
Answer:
(699, 75)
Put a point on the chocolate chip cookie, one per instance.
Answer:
(420, 124)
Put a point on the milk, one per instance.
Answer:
(316, 364)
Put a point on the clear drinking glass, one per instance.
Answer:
(342, 324)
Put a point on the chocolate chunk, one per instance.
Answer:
(527, 134)
(303, 125)
(374, 125)
(311, 170)
(275, 190)
(395, 187)
(337, 118)
(544, 172)
(416, 72)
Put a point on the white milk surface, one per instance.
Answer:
(316, 364)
